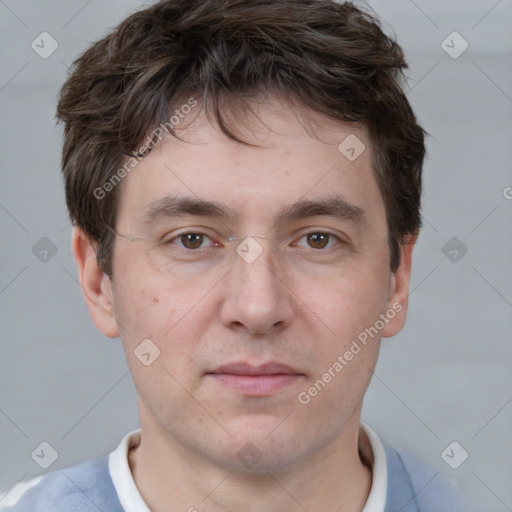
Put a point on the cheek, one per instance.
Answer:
(150, 330)
(348, 328)
(146, 303)
(170, 316)
(141, 311)
(353, 301)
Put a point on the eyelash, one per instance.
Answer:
(173, 239)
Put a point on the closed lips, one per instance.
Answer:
(260, 370)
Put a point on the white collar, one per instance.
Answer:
(376, 501)
(132, 501)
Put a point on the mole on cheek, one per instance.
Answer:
(156, 300)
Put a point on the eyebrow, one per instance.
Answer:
(336, 207)
(180, 206)
(168, 206)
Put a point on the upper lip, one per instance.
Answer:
(242, 368)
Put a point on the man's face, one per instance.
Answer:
(224, 320)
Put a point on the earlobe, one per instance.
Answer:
(96, 286)
(399, 290)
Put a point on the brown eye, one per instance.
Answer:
(318, 240)
(192, 240)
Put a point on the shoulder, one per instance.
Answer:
(413, 486)
(83, 488)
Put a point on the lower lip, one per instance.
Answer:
(255, 385)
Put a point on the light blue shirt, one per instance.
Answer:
(411, 487)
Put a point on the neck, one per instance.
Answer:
(172, 478)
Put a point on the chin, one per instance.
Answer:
(257, 458)
(262, 445)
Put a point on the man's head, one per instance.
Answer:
(285, 123)
(330, 57)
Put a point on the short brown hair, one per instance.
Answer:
(331, 57)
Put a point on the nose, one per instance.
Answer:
(257, 296)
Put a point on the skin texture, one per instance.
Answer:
(291, 305)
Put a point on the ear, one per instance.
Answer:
(399, 289)
(96, 286)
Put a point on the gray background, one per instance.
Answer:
(447, 377)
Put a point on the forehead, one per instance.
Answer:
(293, 155)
